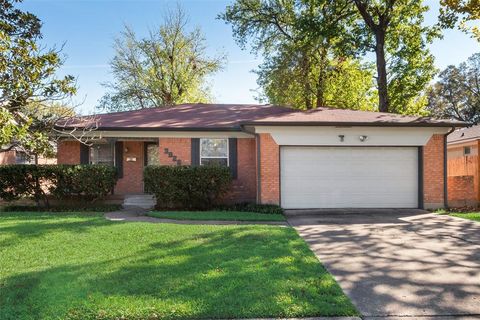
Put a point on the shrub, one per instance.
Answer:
(198, 187)
(253, 207)
(63, 208)
(88, 182)
(85, 182)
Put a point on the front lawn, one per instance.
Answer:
(80, 266)
(217, 215)
(475, 216)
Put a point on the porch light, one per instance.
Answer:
(363, 138)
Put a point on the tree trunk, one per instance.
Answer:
(383, 101)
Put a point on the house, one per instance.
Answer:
(16, 156)
(463, 167)
(322, 158)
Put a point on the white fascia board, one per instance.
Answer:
(332, 136)
(167, 134)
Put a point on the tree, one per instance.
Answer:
(399, 40)
(27, 82)
(305, 62)
(168, 67)
(456, 95)
(461, 13)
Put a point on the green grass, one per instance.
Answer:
(217, 215)
(474, 216)
(81, 266)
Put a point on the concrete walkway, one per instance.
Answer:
(400, 265)
(137, 215)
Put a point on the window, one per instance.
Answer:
(102, 154)
(151, 152)
(23, 158)
(214, 152)
(466, 151)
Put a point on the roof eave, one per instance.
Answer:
(356, 124)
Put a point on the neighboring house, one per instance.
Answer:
(323, 158)
(463, 167)
(19, 157)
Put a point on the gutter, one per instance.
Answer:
(445, 168)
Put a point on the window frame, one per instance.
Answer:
(465, 153)
(215, 157)
(112, 146)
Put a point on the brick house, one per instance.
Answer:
(323, 158)
(463, 167)
(19, 157)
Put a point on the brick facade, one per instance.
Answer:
(68, 152)
(433, 172)
(461, 191)
(269, 170)
(244, 188)
(258, 174)
(179, 147)
(132, 180)
(7, 157)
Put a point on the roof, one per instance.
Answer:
(464, 134)
(221, 117)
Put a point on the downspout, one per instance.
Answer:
(445, 168)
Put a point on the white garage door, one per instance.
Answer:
(349, 177)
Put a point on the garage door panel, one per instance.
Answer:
(341, 177)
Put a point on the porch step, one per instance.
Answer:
(145, 201)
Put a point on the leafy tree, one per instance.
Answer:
(461, 13)
(168, 67)
(27, 81)
(399, 40)
(305, 64)
(456, 95)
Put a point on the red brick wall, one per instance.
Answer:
(461, 191)
(132, 181)
(433, 172)
(269, 184)
(68, 152)
(244, 188)
(180, 147)
(7, 157)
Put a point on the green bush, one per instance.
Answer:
(189, 187)
(63, 208)
(88, 182)
(85, 182)
(252, 207)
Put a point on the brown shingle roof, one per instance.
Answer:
(465, 134)
(233, 116)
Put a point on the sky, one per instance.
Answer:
(87, 28)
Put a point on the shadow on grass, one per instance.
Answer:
(170, 271)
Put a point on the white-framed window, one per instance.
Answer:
(102, 153)
(214, 152)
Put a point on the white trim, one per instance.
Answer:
(169, 134)
(331, 136)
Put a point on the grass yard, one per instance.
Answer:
(475, 216)
(217, 215)
(81, 266)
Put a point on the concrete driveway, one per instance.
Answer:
(400, 263)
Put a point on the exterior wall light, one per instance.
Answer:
(363, 138)
(342, 137)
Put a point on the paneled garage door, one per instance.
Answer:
(349, 177)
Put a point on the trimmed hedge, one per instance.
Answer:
(84, 182)
(63, 208)
(187, 187)
(252, 207)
